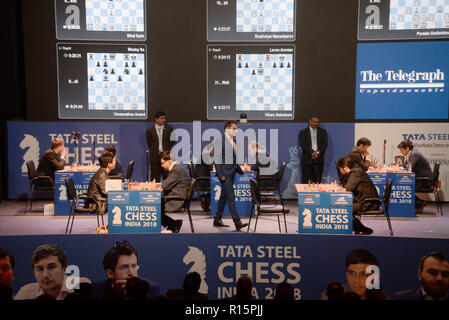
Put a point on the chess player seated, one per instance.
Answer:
(117, 172)
(362, 188)
(96, 193)
(176, 184)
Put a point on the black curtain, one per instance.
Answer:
(12, 83)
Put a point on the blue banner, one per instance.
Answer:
(29, 140)
(134, 211)
(308, 262)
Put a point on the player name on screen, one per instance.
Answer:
(403, 19)
(257, 80)
(102, 81)
(251, 20)
(112, 20)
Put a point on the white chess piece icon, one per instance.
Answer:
(217, 190)
(62, 193)
(117, 220)
(307, 218)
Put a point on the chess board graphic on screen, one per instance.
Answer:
(251, 20)
(255, 80)
(102, 81)
(264, 82)
(101, 20)
(403, 19)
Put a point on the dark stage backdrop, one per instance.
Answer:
(325, 59)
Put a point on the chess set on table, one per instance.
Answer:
(320, 187)
(389, 168)
(144, 186)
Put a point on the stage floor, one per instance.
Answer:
(13, 221)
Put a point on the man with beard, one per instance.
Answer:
(433, 273)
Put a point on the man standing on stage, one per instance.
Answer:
(225, 160)
(158, 140)
(313, 142)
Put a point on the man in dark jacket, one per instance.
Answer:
(313, 142)
(176, 184)
(51, 161)
(97, 186)
(421, 167)
(118, 170)
(225, 160)
(158, 140)
(361, 186)
(360, 155)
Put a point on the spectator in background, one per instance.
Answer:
(244, 289)
(118, 170)
(334, 291)
(136, 289)
(120, 264)
(360, 155)
(7, 262)
(285, 292)
(49, 264)
(189, 291)
(356, 263)
(433, 273)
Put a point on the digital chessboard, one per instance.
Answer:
(255, 80)
(115, 15)
(251, 20)
(419, 14)
(264, 82)
(116, 81)
(111, 20)
(102, 81)
(265, 15)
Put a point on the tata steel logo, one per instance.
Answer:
(309, 199)
(341, 200)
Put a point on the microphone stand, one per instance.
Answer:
(93, 152)
(385, 145)
(147, 156)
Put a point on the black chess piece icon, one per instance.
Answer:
(140, 71)
(281, 65)
(105, 71)
(98, 64)
(119, 78)
(105, 65)
(253, 73)
(134, 65)
(246, 65)
(274, 65)
(126, 71)
(126, 65)
(91, 78)
(240, 65)
(288, 65)
(112, 71)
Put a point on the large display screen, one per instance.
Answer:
(402, 80)
(101, 20)
(251, 20)
(255, 80)
(102, 81)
